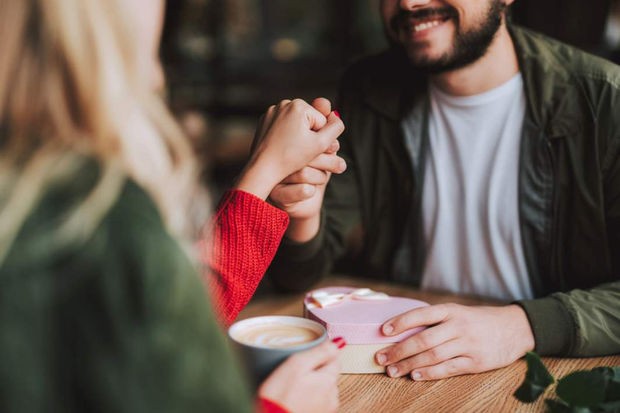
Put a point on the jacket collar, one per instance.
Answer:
(549, 82)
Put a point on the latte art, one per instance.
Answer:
(276, 335)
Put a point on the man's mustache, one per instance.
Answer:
(404, 16)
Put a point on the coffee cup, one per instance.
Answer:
(265, 342)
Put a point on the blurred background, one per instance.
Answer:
(228, 60)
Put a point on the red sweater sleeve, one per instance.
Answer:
(238, 248)
(268, 406)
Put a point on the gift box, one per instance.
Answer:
(357, 315)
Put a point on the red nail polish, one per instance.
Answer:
(336, 113)
(339, 341)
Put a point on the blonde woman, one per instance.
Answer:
(101, 308)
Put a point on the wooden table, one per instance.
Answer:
(486, 392)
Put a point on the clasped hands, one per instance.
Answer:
(293, 155)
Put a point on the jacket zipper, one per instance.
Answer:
(554, 239)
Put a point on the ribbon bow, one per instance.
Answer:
(325, 299)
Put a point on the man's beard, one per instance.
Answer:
(467, 46)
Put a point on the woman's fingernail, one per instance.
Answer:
(339, 341)
(392, 371)
(337, 113)
(388, 328)
(381, 358)
(416, 375)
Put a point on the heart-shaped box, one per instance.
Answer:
(357, 315)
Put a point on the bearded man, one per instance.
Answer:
(482, 159)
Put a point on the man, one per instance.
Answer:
(482, 159)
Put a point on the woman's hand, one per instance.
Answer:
(306, 381)
(290, 136)
(458, 340)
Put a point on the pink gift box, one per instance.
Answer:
(357, 315)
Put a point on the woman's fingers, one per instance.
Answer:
(322, 105)
(264, 123)
(317, 357)
(330, 131)
(315, 118)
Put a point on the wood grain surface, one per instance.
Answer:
(486, 392)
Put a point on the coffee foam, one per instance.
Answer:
(275, 335)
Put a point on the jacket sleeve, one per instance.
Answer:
(237, 248)
(587, 322)
(298, 266)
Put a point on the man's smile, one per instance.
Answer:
(422, 21)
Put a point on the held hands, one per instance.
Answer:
(458, 340)
(290, 136)
(301, 193)
(306, 381)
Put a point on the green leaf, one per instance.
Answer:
(613, 373)
(613, 382)
(537, 379)
(583, 388)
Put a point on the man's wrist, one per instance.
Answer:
(303, 229)
(523, 333)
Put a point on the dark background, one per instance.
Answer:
(228, 60)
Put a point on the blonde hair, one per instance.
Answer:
(70, 86)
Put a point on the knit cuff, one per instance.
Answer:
(552, 325)
(253, 203)
(267, 406)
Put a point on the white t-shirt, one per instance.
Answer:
(470, 198)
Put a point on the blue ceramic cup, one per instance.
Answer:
(264, 342)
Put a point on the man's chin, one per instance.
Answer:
(426, 61)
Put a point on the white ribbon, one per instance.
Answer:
(325, 299)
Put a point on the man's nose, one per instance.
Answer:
(411, 4)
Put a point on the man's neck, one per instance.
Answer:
(495, 68)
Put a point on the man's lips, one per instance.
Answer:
(418, 25)
(424, 19)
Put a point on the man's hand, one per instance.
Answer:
(458, 340)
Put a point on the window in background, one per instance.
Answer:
(612, 32)
(227, 61)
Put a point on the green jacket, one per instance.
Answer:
(117, 323)
(569, 190)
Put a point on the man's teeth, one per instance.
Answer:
(426, 25)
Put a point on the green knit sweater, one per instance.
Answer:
(118, 323)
